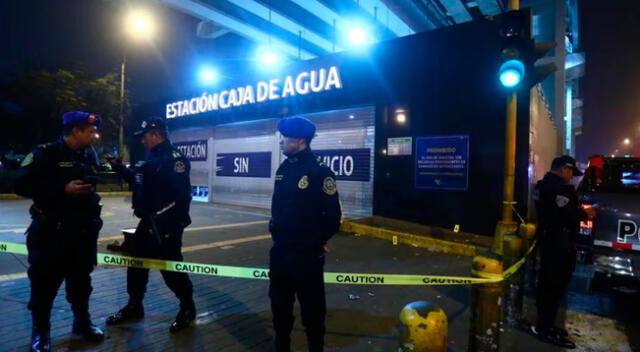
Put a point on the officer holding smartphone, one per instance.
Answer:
(60, 178)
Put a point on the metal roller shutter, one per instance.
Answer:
(245, 163)
(345, 141)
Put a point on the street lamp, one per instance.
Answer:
(139, 25)
(626, 141)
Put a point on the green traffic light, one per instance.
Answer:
(511, 73)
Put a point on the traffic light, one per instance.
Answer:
(519, 52)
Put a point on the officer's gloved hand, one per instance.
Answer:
(77, 187)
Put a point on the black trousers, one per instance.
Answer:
(61, 251)
(309, 289)
(556, 269)
(145, 244)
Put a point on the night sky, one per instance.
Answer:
(611, 86)
(87, 33)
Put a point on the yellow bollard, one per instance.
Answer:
(513, 250)
(513, 286)
(527, 231)
(486, 305)
(424, 328)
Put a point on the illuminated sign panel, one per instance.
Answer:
(255, 164)
(306, 82)
(347, 164)
(193, 150)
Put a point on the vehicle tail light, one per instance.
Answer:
(586, 226)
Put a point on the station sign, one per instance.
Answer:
(347, 164)
(256, 164)
(442, 162)
(193, 150)
(306, 82)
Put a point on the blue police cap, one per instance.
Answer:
(152, 123)
(78, 117)
(297, 127)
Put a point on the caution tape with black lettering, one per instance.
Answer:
(263, 274)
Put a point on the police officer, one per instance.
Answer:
(60, 178)
(305, 213)
(559, 216)
(161, 199)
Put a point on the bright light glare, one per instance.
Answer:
(511, 73)
(510, 78)
(401, 117)
(208, 76)
(140, 24)
(269, 58)
(357, 36)
(627, 141)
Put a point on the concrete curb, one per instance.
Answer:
(12, 196)
(437, 245)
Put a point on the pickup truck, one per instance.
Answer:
(611, 240)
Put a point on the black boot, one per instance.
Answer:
(87, 330)
(552, 337)
(40, 340)
(186, 316)
(128, 313)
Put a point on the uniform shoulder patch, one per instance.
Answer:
(179, 167)
(304, 182)
(329, 186)
(176, 154)
(561, 201)
(27, 160)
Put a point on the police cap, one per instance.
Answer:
(297, 127)
(567, 161)
(152, 123)
(73, 118)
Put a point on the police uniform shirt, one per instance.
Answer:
(305, 207)
(558, 211)
(48, 169)
(161, 185)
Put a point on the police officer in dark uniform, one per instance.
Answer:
(559, 216)
(161, 199)
(305, 213)
(60, 178)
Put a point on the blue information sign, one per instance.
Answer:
(256, 164)
(442, 162)
(347, 164)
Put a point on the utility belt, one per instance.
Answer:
(87, 213)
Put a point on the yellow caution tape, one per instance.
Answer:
(15, 248)
(507, 272)
(263, 274)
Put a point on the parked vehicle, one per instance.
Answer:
(611, 240)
